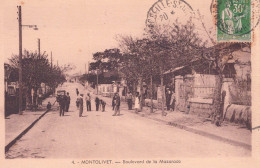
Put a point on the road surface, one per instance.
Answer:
(101, 135)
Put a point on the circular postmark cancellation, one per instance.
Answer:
(167, 12)
(235, 19)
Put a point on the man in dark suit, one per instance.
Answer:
(117, 105)
(62, 104)
(67, 102)
(97, 103)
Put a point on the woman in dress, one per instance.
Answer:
(137, 102)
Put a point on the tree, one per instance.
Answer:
(218, 55)
(173, 46)
(36, 69)
(135, 63)
(106, 61)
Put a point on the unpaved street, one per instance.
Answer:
(101, 135)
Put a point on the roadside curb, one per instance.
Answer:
(199, 132)
(10, 144)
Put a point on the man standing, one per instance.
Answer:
(77, 91)
(168, 98)
(117, 105)
(88, 102)
(97, 103)
(129, 100)
(67, 102)
(62, 102)
(114, 101)
(80, 105)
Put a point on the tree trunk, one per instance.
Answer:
(217, 114)
(35, 98)
(28, 100)
(141, 93)
(134, 89)
(151, 93)
(162, 92)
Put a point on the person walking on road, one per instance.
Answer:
(137, 102)
(67, 102)
(62, 105)
(80, 105)
(97, 103)
(103, 104)
(114, 101)
(129, 100)
(77, 91)
(88, 102)
(117, 105)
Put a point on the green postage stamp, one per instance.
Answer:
(234, 20)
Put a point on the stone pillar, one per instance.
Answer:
(227, 82)
(178, 82)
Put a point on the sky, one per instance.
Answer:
(75, 29)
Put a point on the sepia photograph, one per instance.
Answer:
(121, 83)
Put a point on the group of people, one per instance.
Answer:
(64, 103)
(170, 100)
(129, 98)
(100, 104)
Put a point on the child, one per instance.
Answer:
(48, 106)
(103, 105)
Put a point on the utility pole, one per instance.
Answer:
(39, 47)
(20, 57)
(20, 61)
(88, 66)
(85, 69)
(51, 60)
(97, 81)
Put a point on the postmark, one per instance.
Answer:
(234, 20)
(165, 13)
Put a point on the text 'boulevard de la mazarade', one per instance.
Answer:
(126, 161)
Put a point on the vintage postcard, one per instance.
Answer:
(130, 83)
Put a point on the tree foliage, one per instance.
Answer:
(36, 69)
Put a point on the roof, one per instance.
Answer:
(174, 69)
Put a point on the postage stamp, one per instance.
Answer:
(234, 20)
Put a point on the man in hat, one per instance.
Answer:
(117, 105)
(67, 102)
(88, 102)
(129, 100)
(97, 103)
(62, 103)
